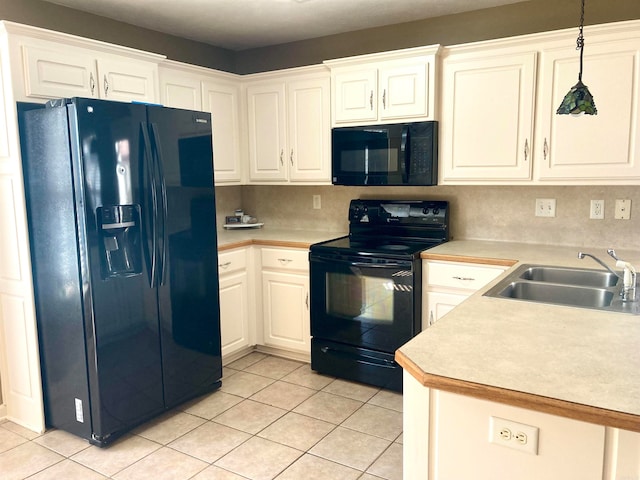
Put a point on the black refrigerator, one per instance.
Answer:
(121, 214)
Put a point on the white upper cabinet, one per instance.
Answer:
(496, 94)
(603, 147)
(289, 127)
(47, 65)
(384, 87)
(488, 115)
(197, 88)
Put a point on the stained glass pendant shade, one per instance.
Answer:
(579, 99)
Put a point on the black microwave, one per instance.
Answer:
(394, 154)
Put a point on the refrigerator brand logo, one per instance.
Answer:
(201, 120)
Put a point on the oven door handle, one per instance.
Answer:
(378, 265)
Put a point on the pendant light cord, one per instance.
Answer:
(580, 41)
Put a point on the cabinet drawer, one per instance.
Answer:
(232, 261)
(461, 275)
(285, 259)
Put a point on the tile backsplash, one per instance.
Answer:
(503, 213)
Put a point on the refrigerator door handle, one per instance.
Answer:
(163, 240)
(151, 199)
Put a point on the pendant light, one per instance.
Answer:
(579, 100)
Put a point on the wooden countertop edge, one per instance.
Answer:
(268, 243)
(553, 406)
(503, 262)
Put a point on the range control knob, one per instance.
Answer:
(436, 211)
(425, 211)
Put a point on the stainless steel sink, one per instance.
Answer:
(576, 287)
(586, 297)
(570, 276)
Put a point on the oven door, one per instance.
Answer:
(365, 302)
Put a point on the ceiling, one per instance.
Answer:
(243, 24)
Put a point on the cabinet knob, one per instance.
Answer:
(281, 155)
(224, 265)
(464, 279)
(106, 86)
(384, 99)
(306, 301)
(284, 261)
(92, 84)
(291, 157)
(526, 150)
(371, 100)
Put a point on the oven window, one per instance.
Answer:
(360, 297)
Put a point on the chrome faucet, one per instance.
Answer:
(628, 277)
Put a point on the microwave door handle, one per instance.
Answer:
(405, 148)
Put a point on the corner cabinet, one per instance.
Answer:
(496, 94)
(384, 87)
(285, 299)
(289, 126)
(216, 92)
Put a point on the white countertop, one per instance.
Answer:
(581, 356)
(228, 239)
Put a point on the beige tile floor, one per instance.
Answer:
(272, 419)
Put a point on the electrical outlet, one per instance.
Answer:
(597, 209)
(623, 210)
(513, 435)
(545, 207)
(316, 202)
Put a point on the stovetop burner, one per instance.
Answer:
(394, 247)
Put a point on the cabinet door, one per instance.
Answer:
(286, 310)
(309, 121)
(605, 146)
(234, 318)
(127, 79)
(402, 91)
(180, 90)
(356, 95)
(222, 101)
(58, 73)
(437, 304)
(267, 132)
(487, 118)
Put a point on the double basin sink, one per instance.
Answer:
(575, 287)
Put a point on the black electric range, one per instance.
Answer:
(366, 288)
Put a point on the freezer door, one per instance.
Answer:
(188, 273)
(115, 227)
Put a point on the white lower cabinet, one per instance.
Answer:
(285, 299)
(235, 303)
(441, 428)
(446, 284)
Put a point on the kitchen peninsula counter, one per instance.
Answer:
(574, 362)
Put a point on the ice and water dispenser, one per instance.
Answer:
(119, 227)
